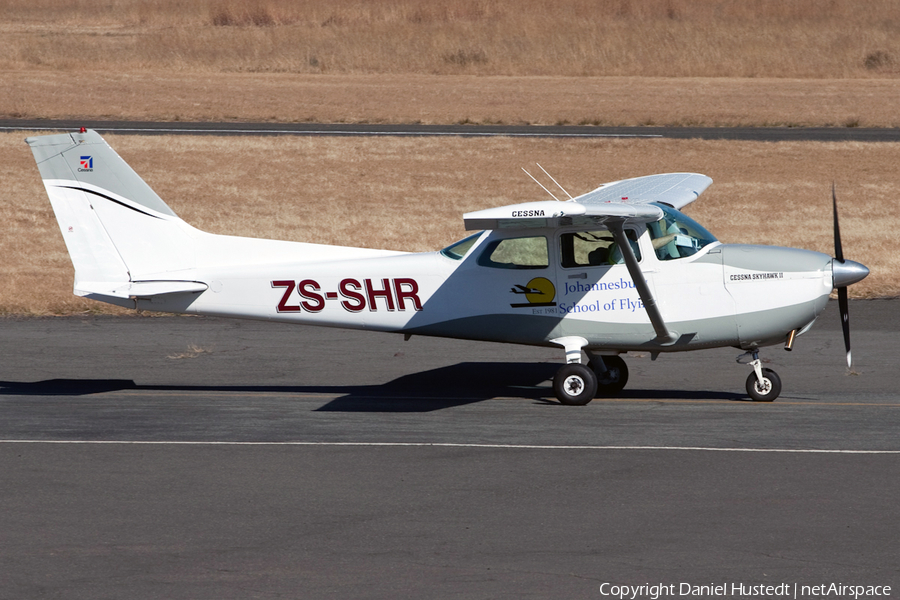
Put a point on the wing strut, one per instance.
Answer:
(665, 337)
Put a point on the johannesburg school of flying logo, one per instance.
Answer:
(540, 291)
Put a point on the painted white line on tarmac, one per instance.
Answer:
(449, 445)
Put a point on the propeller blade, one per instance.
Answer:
(843, 301)
(844, 306)
(838, 250)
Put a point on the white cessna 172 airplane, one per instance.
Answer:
(614, 270)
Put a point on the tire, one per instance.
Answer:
(575, 385)
(768, 391)
(613, 380)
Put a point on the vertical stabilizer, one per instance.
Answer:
(116, 229)
(86, 158)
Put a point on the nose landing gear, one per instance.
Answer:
(763, 385)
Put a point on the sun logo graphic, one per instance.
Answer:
(87, 164)
(538, 292)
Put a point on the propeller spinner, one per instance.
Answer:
(844, 273)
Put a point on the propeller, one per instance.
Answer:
(845, 273)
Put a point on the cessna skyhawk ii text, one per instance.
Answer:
(613, 270)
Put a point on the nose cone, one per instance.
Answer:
(847, 272)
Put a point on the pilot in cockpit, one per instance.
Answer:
(676, 235)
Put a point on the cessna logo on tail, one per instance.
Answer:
(87, 164)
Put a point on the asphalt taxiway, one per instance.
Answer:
(759, 134)
(185, 457)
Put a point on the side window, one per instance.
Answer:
(516, 253)
(594, 248)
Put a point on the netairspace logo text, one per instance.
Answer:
(794, 591)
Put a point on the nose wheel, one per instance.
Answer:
(765, 389)
(763, 385)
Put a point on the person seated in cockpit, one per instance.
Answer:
(662, 241)
(671, 241)
(598, 256)
(677, 235)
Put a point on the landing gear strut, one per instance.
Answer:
(763, 385)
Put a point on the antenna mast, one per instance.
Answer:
(540, 184)
(554, 181)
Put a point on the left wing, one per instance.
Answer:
(628, 200)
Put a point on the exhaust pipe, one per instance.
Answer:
(789, 344)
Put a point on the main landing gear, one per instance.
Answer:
(763, 385)
(576, 384)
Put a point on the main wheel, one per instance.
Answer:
(613, 380)
(764, 391)
(575, 384)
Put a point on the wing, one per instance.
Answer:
(629, 200)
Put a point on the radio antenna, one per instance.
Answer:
(542, 185)
(555, 181)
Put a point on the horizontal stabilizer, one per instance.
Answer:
(138, 289)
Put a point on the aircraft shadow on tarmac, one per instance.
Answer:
(435, 389)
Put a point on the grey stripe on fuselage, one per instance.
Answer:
(745, 331)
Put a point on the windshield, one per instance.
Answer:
(677, 235)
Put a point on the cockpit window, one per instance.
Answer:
(516, 253)
(594, 248)
(677, 235)
(459, 249)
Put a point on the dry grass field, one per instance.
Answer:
(610, 62)
(645, 38)
(409, 194)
